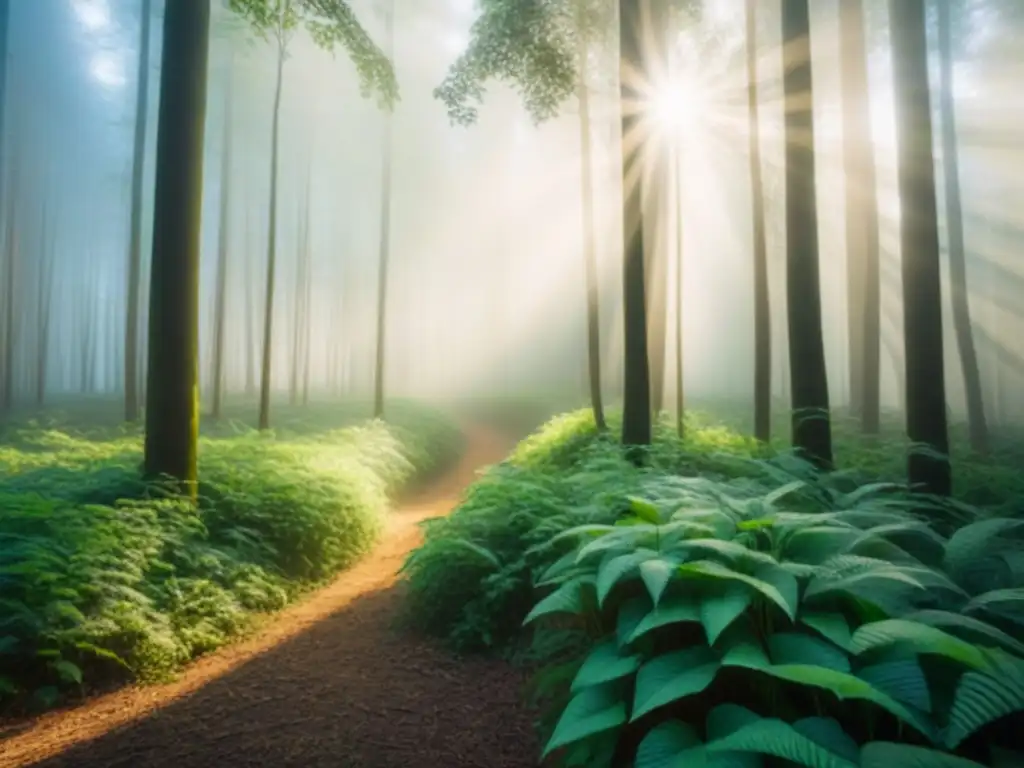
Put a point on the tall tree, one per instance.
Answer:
(812, 433)
(131, 322)
(172, 415)
(976, 421)
(44, 301)
(330, 23)
(862, 247)
(919, 242)
(223, 246)
(385, 229)
(762, 305)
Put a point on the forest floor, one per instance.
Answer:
(329, 681)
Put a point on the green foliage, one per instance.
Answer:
(103, 578)
(729, 605)
(533, 46)
(331, 23)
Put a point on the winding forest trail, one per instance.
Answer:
(327, 682)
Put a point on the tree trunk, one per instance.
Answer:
(131, 322)
(223, 243)
(268, 304)
(385, 235)
(677, 173)
(812, 433)
(298, 308)
(862, 249)
(976, 422)
(44, 301)
(636, 416)
(10, 337)
(919, 239)
(762, 304)
(172, 418)
(250, 320)
(590, 272)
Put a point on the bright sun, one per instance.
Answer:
(677, 106)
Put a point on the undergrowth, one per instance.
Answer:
(104, 578)
(726, 605)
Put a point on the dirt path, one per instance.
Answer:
(328, 682)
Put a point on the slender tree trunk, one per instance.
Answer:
(172, 418)
(976, 422)
(307, 326)
(385, 235)
(862, 249)
(919, 238)
(298, 315)
(223, 245)
(250, 320)
(677, 173)
(762, 303)
(131, 323)
(10, 337)
(268, 304)
(636, 417)
(589, 245)
(43, 306)
(812, 433)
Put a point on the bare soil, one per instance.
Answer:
(329, 681)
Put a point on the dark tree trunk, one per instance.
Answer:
(6, 361)
(10, 277)
(131, 323)
(862, 249)
(172, 415)
(636, 416)
(976, 422)
(385, 237)
(268, 303)
(590, 273)
(762, 304)
(812, 433)
(223, 244)
(919, 239)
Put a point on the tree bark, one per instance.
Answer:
(919, 239)
(172, 416)
(131, 322)
(223, 244)
(812, 434)
(977, 424)
(385, 233)
(636, 416)
(762, 304)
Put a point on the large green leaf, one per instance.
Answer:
(669, 745)
(902, 679)
(656, 573)
(675, 609)
(918, 637)
(831, 625)
(713, 570)
(671, 677)
(978, 631)
(983, 698)
(828, 733)
(977, 540)
(718, 611)
(770, 736)
(615, 568)
(1007, 603)
(847, 686)
(604, 664)
(591, 711)
(568, 598)
(800, 648)
(887, 754)
(631, 614)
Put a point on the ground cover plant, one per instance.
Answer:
(728, 605)
(104, 578)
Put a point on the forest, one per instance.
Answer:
(504, 383)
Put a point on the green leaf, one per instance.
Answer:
(567, 598)
(1008, 603)
(830, 625)
(671, 677)
(979, 631)
(613, 569)
(846, 686)
(770, 736)
(983, 698)
(886, 754)
(717, 612)
(68, 671)
(591, 711)
(711, 569)
(903, 679)
(656, 574)
(747, 654)
(828, 733)
(799, 648)
(631, 615)
(918, 637)
(667, 746)
(604, 664)
(645, 510)
(677, 609)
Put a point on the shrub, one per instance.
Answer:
(726, 629)
(105, 578)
